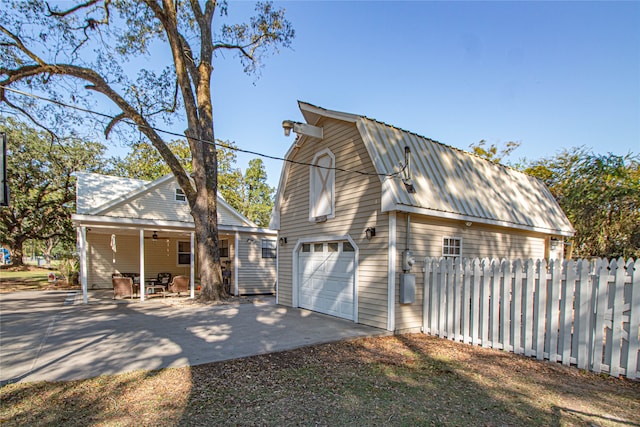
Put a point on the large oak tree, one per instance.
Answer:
(42, 186)
(95, 46)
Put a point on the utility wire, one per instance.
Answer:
(255, 153)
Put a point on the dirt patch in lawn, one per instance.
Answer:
(409, 379)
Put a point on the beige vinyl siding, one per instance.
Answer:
(256, 275)
(357, 205)
(477, 241)
(159, 203)
(159, 257)
(101, 258)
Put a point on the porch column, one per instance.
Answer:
(192, 279)
(82, 243)
(235, 264)
(142, 265)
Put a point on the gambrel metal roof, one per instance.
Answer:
(450, 183)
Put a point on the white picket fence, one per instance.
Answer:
(583, 313)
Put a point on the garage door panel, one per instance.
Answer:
(326, 281)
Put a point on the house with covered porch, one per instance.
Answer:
(143, 228)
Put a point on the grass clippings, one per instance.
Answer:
(409, 379)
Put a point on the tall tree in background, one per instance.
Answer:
(258, 194)
(601, 196)
(144, 161)
(249, 194)
(491, 152)
(86, 47)
(42, 186)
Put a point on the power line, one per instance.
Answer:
(255, 153)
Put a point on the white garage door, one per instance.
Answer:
(326, 278)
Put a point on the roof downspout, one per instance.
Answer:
(391, 278)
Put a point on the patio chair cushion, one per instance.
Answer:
(179, 284)
(122, 286)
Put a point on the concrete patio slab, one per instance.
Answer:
(52, 336)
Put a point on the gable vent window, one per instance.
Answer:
(322, 177)
(180, 196)
(451, 247)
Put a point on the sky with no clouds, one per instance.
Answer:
(550, 75)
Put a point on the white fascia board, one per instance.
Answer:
(312, 114)
(135, 223)
(460, 217)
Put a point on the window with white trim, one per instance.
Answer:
(322, 176)
(451, 246)
(184, 253)
(268, 248)
(180, 196)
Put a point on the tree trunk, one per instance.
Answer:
(17, 253)
(208, 258)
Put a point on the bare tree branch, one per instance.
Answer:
(4, 99)
(72, 10)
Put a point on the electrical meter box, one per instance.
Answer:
(407, 260)
(407, 288)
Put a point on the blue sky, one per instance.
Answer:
(549, 75)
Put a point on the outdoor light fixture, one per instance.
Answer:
(155, 235)
(370, 232)
(283, 241)
(554, 244)
(301, 129)
(287, 125)
(468, 223)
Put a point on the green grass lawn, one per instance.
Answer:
(31, 279)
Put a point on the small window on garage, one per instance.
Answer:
(451, 247)
(268, 248)
(306, 247)
(224, 248)
(347, 247)
(184, 253)
(318, 247)
(333, 247)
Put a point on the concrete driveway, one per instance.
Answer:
(52, 336)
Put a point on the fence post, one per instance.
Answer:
(583, 323)
(617, 270)
(567, 310)
(505, 305)
(467, 303)
(484, 301)
(541, 304)
(529, 312)
(476, 307)
(601, 292)
(634, 321)
(517, 312)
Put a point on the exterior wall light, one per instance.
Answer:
(370, 232)
(283, 241)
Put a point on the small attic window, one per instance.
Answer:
(180, 196)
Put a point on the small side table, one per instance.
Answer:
(162, 288)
